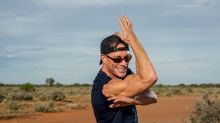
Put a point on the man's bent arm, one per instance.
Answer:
(145, 98)
(145, 75)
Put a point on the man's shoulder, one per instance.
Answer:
(101, 77)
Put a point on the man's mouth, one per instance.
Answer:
(121, 70)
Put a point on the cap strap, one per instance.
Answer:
(114, 49)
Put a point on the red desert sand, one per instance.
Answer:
(166, 110)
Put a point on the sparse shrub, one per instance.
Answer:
(28, 87)
(9, 115)
(48, 107)
(2, 97)
(176, 91)
(189, 90)
(57, 96)
(194, 85)
(22, 96)
(12, 106)
(206, 111)
(44, 97)
(76, 106)
(181, 85)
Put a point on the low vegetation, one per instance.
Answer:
(182, 89)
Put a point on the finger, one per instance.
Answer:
(128, 22)
(116, 101)
(109, 99)
(111, 106)
(121, 23)
(114, 105)
(124, 21)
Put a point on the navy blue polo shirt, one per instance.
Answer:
(100, 104)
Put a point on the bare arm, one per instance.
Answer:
(145, 75)
(145, 98)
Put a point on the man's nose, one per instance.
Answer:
(124, 63)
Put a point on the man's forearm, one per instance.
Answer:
(145, 98)
(144, 68)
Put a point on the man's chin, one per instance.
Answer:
(121, 75)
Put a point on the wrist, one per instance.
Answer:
(132, 40)
(133, 102)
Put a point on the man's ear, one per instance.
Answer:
(103, 58)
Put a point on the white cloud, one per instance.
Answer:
(79, 3)
(17, 24)
(197, 4)
(24, 51)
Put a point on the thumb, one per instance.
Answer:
(119, 35)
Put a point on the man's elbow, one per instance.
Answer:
(150, 79)
(151, 97)
(154, 100)
(154, 79)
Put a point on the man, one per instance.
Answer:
(116, 89)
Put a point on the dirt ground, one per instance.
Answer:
(166, 110)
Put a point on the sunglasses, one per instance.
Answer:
(120, 59)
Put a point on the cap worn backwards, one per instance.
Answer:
(110, 44)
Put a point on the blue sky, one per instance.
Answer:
(61, 38)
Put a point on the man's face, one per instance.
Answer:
(115, 69)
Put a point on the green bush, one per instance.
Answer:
(57, 96)
(28, 87)
(1, 84)
(206, 111)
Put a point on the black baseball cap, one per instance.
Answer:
(110, 43)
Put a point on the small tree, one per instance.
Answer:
(59, 84)
(50, 81)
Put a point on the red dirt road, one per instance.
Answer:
(166, 110)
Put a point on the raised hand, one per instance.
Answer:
(126, 34)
